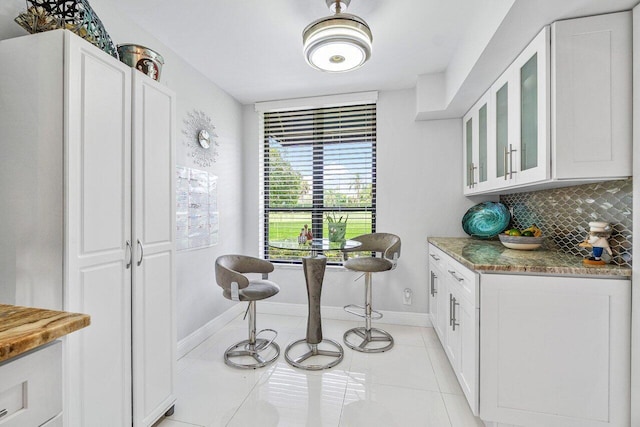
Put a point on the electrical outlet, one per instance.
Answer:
(407, 296)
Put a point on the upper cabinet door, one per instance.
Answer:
(592, 86)
(529, 156)
(501, 95)
(476, 131)
(468, 123)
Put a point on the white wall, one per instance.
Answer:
(635, 292)
(419, 194)
(199, 298)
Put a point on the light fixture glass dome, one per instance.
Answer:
(337, 43)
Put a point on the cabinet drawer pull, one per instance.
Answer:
(437, 258)
(454, 322)
(455, 276)
(3, 412)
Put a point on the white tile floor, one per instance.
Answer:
(410, 385)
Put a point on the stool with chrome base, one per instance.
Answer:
(230, 275)
(388, 245)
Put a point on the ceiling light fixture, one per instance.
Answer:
(337, 43)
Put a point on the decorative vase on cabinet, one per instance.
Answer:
(112, 189)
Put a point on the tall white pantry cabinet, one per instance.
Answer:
(87, 203)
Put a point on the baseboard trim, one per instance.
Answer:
(338, 313)
(198, 336)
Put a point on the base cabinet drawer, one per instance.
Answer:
(31, 388)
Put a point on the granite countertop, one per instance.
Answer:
(25, 328)
(492, 256)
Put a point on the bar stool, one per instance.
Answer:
(388, 246)
(230, 276)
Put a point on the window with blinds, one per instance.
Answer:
(319, 169)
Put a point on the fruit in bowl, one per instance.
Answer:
(527, 239)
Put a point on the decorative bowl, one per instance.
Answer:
(523, 243)
(142, 58)
(486, 220)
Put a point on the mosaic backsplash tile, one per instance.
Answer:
(563, 215)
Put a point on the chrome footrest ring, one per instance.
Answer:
(375, 315)
(258, 351)
(262, 343)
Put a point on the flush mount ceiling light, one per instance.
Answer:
(337, 43)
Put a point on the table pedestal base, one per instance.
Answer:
(298, 362)
(314, 267)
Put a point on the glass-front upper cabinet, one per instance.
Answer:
(520, 141)
(508, 137)
(476, 131)
(502, 142)
(531, 84)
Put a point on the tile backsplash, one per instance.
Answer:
(563, 215)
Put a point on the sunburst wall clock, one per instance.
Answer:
(200, 138)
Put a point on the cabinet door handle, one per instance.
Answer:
(511, 172)
(455, 276)
(141, 252)
(506, 162)
(472, 174)
(437, 258)
(434, 291)
(128, 250)
(450, 309)
(454, 323)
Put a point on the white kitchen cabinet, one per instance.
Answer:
(478, 160)
(462, 336)
(561, 113)
(554, 351)
(106, 205)
(438, 292)
(154, 296)
(454, 315)
(526, 158)
(31, 388)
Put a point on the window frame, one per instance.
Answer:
(318, 209)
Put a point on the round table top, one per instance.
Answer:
(316, 245)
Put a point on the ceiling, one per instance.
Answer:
(252, 49)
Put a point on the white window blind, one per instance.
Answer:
(318, 164)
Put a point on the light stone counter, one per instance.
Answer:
(486, 256)
(25, 328)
